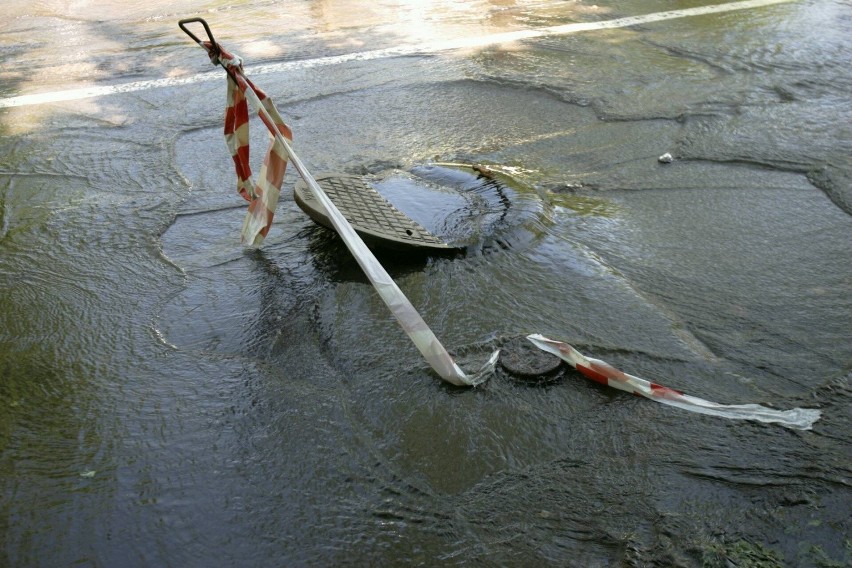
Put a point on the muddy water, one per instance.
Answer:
(171, 398)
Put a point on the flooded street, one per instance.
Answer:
(169, 397)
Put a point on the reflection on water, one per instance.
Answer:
(170, 398)
(467, 206)
(102, 42)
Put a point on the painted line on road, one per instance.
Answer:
(398, 51)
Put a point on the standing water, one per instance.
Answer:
(171, 398)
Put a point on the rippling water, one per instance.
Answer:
(170, 398)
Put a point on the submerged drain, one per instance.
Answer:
(522, 359)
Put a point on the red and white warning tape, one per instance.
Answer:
(263, 197)
(605, 374)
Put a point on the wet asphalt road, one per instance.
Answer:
(171, 398)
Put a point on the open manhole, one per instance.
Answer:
(434, 207)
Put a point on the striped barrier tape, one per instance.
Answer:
(605, 374)
(263, 196)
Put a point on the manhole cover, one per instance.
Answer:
(372, 216)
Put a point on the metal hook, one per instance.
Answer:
(214, 46)
(214, 51)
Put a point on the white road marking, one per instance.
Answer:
(426, 48)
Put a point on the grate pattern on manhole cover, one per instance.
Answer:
(370, 214)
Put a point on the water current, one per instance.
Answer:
(169, 397)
